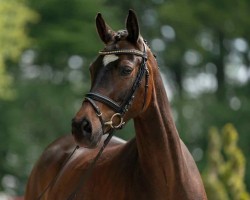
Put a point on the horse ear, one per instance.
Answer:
(104, 31)
(132, 27)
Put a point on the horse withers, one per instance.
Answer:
(156, 165)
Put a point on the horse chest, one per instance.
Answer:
(117, 187)
(111, 178)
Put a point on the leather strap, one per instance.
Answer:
(125, 51)
(109, 102)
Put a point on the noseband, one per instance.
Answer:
(120, 109)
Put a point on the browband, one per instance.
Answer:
(124, 51)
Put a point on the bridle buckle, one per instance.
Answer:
(111, 122)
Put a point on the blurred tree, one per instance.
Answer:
(206, 28)
(14, 16)
(214, 187)
(14, 19)
(66, 28)
(225, 170)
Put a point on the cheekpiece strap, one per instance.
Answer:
(124, 51)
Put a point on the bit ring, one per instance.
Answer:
(111, 123)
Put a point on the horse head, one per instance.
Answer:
(120, 83)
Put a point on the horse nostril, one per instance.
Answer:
(86, 128)
(74, 123)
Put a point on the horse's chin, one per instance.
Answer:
(91, 143)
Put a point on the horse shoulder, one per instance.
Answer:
(52, 161)
(77, 167)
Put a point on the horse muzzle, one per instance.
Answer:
(84, 133)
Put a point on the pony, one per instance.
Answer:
(155, 164)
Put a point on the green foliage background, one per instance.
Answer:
(46, 47)
(224, 173)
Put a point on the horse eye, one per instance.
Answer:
(125, 71)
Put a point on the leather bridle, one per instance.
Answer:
(120, 109)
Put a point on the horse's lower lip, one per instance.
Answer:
(91, 143)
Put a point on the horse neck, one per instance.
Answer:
(158, 142)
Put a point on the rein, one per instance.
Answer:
(55, 178)
(87, 174)
(120, 111)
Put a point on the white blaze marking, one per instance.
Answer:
(109, 58)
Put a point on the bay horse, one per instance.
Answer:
(156, 165)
